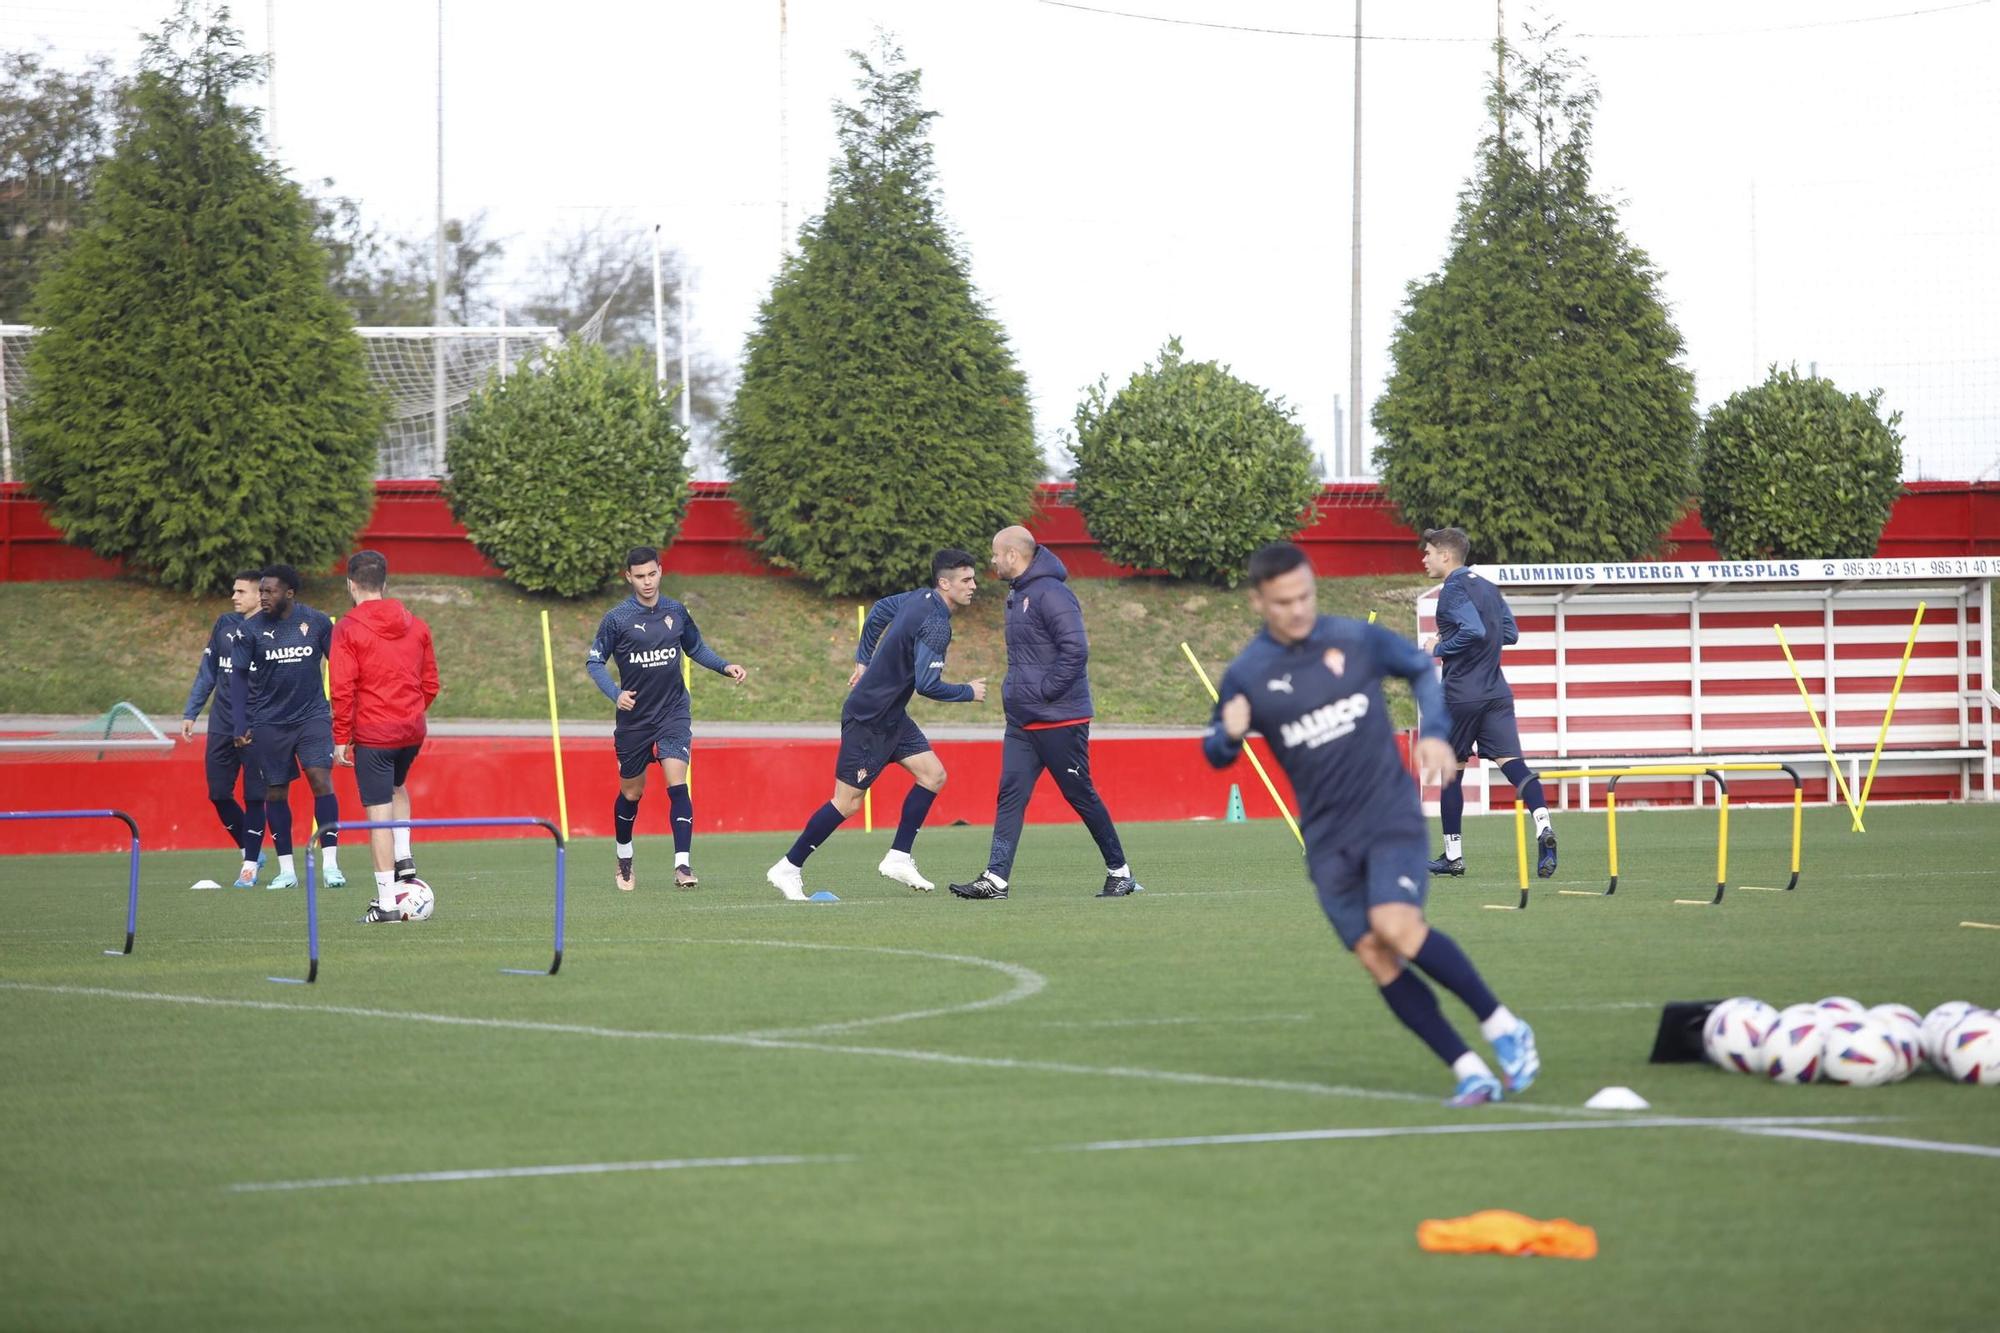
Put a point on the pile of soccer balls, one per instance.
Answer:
(1838, 1041)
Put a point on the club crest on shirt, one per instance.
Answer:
(1336, 661)
(861, 775)
(1024, 606)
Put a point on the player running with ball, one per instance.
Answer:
(1312, 685)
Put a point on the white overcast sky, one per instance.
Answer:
(1815, 189)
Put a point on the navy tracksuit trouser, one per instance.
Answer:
(1065, 753)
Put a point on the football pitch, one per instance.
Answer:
(907, 1111)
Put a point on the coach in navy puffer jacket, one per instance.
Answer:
(1048, 653)
(1047, 698)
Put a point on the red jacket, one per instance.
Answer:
(383, 675)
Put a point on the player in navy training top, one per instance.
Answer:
(903, 643)
(1312, 685)
(1473, 625)
(646, 635)
(278, 693)
(224, 761)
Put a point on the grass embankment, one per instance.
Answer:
(798, 644)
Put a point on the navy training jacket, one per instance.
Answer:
(1048, 654)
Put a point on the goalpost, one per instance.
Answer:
(415, 369)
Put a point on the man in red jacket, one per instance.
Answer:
(383, 676)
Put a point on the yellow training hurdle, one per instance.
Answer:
(1713, 772)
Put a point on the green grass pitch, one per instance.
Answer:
(935, 1066)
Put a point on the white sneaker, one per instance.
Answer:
(902, 867)
(787, 879)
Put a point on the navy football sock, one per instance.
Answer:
(1451, 806)
(681, 806)
(915, 807)
(624, 814)
(1417, 1005)
(326, 813)
(1447, 965)
(817, 830)
(279, 815)
(253, 830)
(231, 815)
(1525, 782)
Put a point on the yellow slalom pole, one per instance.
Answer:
(868, 796)
(1894, 694)
(1798, 829)
(326, 688)
(1520, 860)
(1255, 763)
(1721, 842)
(1611, 834)
(1371, 617)
(555, 729)
(1825, 744)
(687, 683)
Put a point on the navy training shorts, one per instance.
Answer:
(867, 749)
(1356, 877)
(1486, 725)
(280, 751)
(672, 738)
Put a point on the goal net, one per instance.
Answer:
(422, 373)
(122, 732)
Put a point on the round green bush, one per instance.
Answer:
(1795, 467)
(1189, 469)
(557, 473)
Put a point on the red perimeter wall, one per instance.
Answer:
(770, 786)
(1357, 532)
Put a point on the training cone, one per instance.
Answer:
(1235, 815)
(823, 896)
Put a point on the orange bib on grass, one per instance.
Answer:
(1497, 1231)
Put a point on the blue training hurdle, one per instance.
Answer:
(132, 894)
(506, 821)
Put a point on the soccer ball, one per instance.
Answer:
(1938, 1022)
(1971, 1050)
(416, 900)
(1795, 1046)
(1734, 1034)
(1861, 1052)
(1906, 1026)
(1842, 1004)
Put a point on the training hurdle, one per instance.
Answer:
(1711, 772)
(505, 821)
(132, 891)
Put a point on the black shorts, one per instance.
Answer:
(378, 772)
(1486, 725)
(670, 739)
(866, 748)
(280, 751)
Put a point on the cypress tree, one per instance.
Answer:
(200, 401)
(1536, 399)
(880, 414)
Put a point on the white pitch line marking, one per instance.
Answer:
(526, 1172)
(1879, 1141)
(1027, 983)
(1746, 1123)
(772, 1044)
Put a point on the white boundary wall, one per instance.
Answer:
(1642, 661)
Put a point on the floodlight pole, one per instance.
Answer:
(1355, 414)
(437, 291)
